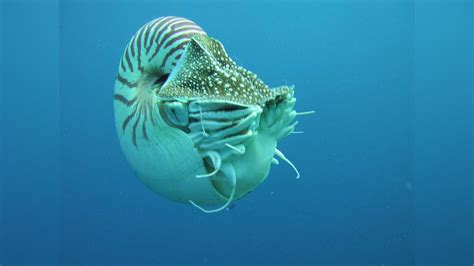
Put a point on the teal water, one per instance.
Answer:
(385, 163)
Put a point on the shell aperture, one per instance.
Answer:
(194, 126)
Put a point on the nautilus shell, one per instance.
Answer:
(194, 126)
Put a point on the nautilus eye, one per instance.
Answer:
(194, 126)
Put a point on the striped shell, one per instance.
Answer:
(193, 125)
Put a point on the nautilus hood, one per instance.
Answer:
(206, 71)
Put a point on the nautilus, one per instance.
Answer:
(194, 126)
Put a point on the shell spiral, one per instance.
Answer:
(193, 125)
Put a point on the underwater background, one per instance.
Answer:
(385, 162)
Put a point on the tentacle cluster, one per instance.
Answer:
(215, 126)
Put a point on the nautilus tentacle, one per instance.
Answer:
(195, 126)
(229, 171)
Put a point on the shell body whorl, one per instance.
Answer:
(194, 126)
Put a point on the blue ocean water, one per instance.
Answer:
(385, 163)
